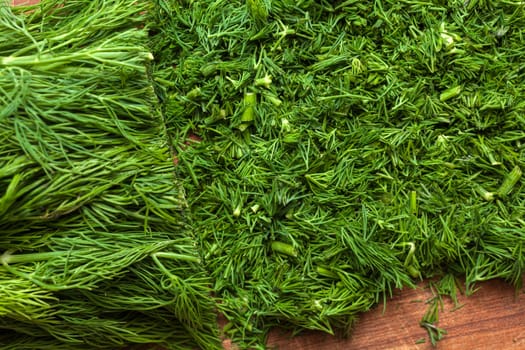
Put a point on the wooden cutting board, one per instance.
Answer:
(492, 318)
(25, 2)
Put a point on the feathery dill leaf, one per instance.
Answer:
(96, 253)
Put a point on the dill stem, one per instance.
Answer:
(9, 258)
(250, 100)
(510, 181)
(323, 271)
(284, 248)
(175, 256)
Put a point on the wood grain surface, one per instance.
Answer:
(491, 318)
(24, 2)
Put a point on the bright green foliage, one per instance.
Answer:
(96, 251)
(382, 141)
(327, 152)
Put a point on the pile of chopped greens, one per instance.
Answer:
(332, 151)
(96, 252)
(283, 163)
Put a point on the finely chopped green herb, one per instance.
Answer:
(332, 151)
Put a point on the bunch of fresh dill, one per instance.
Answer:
(96, 251)
(334, 150)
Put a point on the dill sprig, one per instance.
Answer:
(334, 151)
(96, 253)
